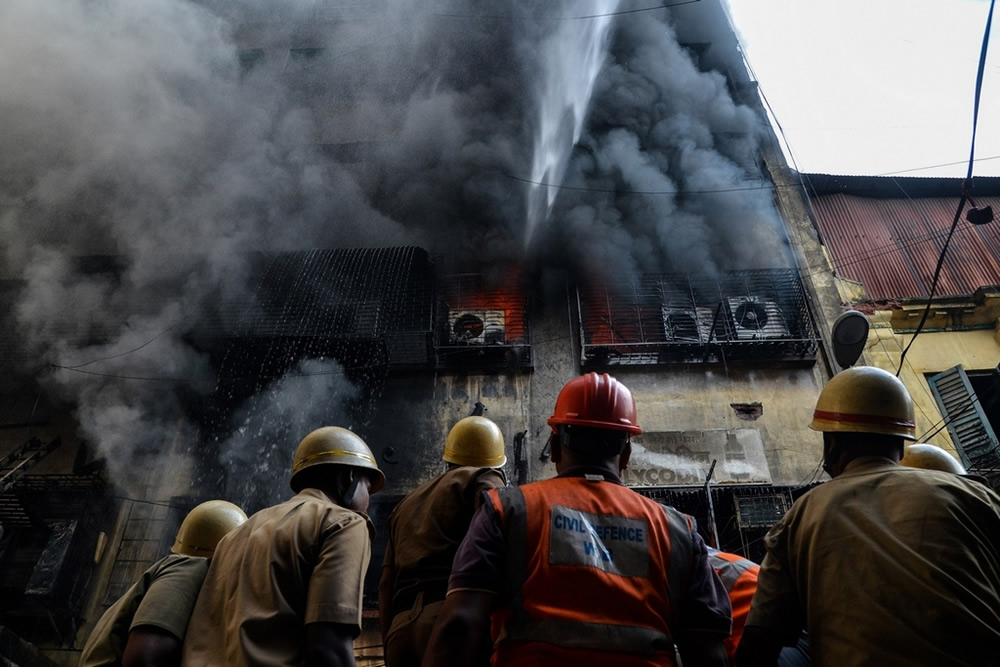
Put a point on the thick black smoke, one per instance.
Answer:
(173, 138)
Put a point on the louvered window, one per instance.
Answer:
(967, 421)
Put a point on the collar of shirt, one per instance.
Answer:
(865, 464)
(316, 494)
(584, 471)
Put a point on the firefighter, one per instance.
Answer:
(425, 530)
(885, 565)
(146, 625)
(931, 457)
(285, 587)
(739, 576)
(579, 569)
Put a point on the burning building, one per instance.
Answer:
(228, 223)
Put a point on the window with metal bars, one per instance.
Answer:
(144, 541)
(663, 319)
(482, 324)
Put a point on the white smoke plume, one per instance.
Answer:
(266, 428)
(169, 139)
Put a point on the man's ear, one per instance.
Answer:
(624, 457)
(342, 481)
(555, 447)
(829, 442)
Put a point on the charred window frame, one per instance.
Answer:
(480, 325)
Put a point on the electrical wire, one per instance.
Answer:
(158, 503)
(256, 378)
(965, 189)
(936, 166)
(122, 354)
(556, 186)
(586, 17)
(812, 474)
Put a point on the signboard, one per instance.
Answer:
(682, 458)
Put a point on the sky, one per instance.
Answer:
(876, 87)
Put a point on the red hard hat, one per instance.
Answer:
(595, 401)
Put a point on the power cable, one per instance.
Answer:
(122, 354)
(184, 380)
(585, 17)
(618, 191)
(936, 166)
(965, 188)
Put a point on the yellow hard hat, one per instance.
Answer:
(930, 457)
(204, 526)
(335, 445)
(475, 441)
(865, 399)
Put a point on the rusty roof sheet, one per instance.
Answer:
(892, 245)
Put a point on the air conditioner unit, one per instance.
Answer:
(476, 327)
(756, 318)
(687, 325)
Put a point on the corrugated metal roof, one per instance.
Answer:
(892, 245)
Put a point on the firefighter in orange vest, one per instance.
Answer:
(579, 569)
(739, 576)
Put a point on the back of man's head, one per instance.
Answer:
(592, 444)
(856, 444)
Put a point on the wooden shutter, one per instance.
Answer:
(967, 423)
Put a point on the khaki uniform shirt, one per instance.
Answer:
(886, 566)
(427, 526)
(163, 598)
(302, 561)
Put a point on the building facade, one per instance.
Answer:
(886, 238)
(399, 291)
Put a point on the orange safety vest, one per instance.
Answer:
(739, 576)
(594, 574)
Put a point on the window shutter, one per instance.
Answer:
(967, 423)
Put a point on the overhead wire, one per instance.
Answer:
(936, 166)
(582, 17)
(965, 188)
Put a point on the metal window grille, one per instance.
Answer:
(760, 511)
(481, 324)
(140, 546)
(663, 319)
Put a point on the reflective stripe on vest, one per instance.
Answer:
(520, 626)
(728, 570)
